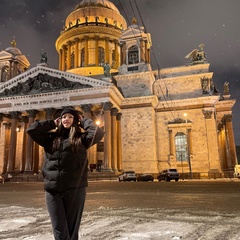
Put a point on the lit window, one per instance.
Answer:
(181, 146)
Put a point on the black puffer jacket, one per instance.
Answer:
(64, 169)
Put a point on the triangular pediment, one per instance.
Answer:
(131, 33)
(4, 55)
(42, 87)
(45, 80)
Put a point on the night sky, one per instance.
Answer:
(176, 26)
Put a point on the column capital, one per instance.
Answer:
(25, 119)
(207, 114)
(227, 117)
(114, 111)
(107, 106)
(14, 115)
(7, 125)
(1, 117)
(76, 39)
(32, 113)
(86, 108)
(119, 116)
(49, 112)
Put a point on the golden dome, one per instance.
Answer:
(90, 37)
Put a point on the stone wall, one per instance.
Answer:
(139, 140)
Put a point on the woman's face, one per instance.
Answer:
(67, 120)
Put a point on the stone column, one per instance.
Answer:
(119, 142)
(13, 142)
(231, 140)
(222, 145)
(127, 57)
(171, 142)
(86, 51)
(6, 146)
(77, 55)
(10, 69)
(64, 58)
(116, 53)
(114, 137)
(121, 54)
(60, 59)
(146, 53)
(29, 153)
(96, 50)
(107, 137)
(212, 151)
(68, 55)
(142, 55)
(25, 120)
(107, 50)
(15, 65)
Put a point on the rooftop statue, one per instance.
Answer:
(226, 88)
(43, 57)
(107, 69)
(197, 56)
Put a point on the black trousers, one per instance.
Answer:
(65, 210)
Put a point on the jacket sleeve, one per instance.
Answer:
(39, 131)
(93, 133)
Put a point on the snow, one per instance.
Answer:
(21, 223)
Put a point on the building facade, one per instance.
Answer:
(153, 119)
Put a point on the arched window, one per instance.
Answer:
(133, 55)
(82, 57)
(101, 56)
(181, 147)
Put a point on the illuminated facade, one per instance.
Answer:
(153, 120)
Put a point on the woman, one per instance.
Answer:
(65, 168)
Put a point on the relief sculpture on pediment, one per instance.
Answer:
(42, 83)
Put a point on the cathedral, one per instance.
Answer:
(153, 119)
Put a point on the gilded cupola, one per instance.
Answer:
(90, 38)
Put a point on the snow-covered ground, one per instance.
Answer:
(21, 223)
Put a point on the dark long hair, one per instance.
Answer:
(74, 135)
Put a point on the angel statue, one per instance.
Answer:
(43, 57)
(197, 56)
(226, 88)
(107, 69)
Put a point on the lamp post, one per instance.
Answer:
(187, 148)
(182, 164)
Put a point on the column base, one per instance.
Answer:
(107, 170)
